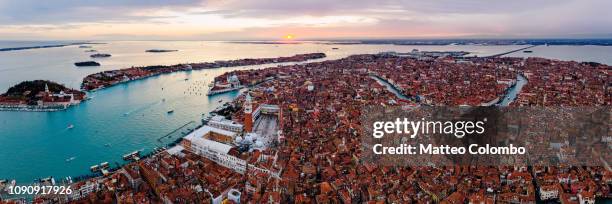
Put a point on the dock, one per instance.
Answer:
(132, 156)
(174, 131)
(510, 52)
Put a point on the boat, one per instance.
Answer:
(70, 159)
(206, 119)
(159, 149)
(98, 55)
(5, 185)
(527, 51)
(68, 179)
(334, 48)
(86, 64)
(94, 168)
(107, 145)
(131, 155)
(170, 111)
(46, 181)
(70, 126)
(104, 165)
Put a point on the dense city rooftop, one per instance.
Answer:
(318, 152)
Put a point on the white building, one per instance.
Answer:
(225, 124)
(215, 151)
(83, 190)
(234, 195)
(548, 193)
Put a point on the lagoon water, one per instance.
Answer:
(132, 116)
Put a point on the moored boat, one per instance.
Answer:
(132, 155)
(94, 168)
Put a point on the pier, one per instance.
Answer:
(174, 131)
(510, 52)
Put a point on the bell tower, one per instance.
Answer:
(248, 113)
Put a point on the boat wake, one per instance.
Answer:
(143, 108)
(70, 159)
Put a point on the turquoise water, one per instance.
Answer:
(37, 144)
(118, 120)
(513, 92)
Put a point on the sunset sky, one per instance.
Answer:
(312, 19)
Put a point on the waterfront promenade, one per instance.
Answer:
(109, 78)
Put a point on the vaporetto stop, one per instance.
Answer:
(446, 149)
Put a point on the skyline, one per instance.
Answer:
(274, 19)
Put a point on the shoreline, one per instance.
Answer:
(30, 109)
(8, 49)
(93, 175)
(100, 80)
(172, 69)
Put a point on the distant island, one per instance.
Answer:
(45, 46)
(40, 95)
(100, 55)
(160, 50)
(600, 42)
(108, 78)
(86, 64)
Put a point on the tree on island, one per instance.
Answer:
(34, 87)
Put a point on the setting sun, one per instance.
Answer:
(289, 37)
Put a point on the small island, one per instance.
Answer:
(99, 55)
(40, 95)
(160, 50)
(86, 64)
